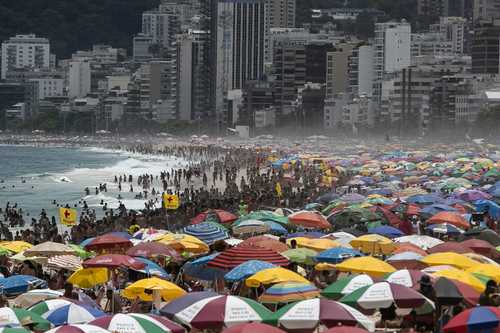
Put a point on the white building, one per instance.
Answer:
(49, 87)
(16, 111)
(119, 82)
(25, 51)
(265, 117)
(79, 79)
(454, 29)
(434, 44)
(101, 54)
(161, 25)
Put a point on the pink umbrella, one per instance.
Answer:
(114, 261)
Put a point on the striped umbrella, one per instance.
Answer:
(288, 292)
(72, 314)
(475, 320)
(14, 317)
(137, 323)
(78, 329)
(208, 232)
(18, 284)
(218, 312)
(68, 261)
(406, 277)
(235, 256)
(347, 285)
(185, 301)
(49, 305)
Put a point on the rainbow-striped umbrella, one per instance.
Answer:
(288, 292)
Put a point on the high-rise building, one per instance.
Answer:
(162, 25)
(485, 48)
(438, 8)
(454, 30)
(25, 51)
(142, 45)
(79, 79)
(316, 60)
(486, 11)
(282, 13)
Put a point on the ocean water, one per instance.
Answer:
(33, 177)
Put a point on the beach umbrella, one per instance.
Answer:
(252, 328)
(199, 269)
(72, 314)
(48, 249)
(367, 265)
(436, 208)
(219, 312)
(246, 269)
(345, 329)
(67, 261)
(462, 276)
(327, 198)
(265, 242)
(308, 219)
(145, 288)
(347, 285)
(449, 246)
(408, 247)
(251, 227)
(483, 234)
(78, 328)
(272, 276)
(373, 244)
(383, 295)
(424, 199)
(342, 237)
(18, 284)
(288, 292)
(113, 261)
(300, 255)
(36, 296)
(152, 268)
(237, 255)
(219, 215)
(49, 305)
(16, 246)
(481, 259)
(386, 231)
(452, 292)
(444, 229)
(89, 277)
(137, 323)
(451, 218)
(406, 277)
(408, 259)
(475, 320)
(307, 315)
(208, 232)
(80, 251)
(316, 244)
(15, 317)
(449, 258)
(152, 250)
(184, 242)
(472, 195)
(266, 216)
(422, 241)
(15, 330)
(184, 301)
(306, 234)
(108, 242)
(352, 198)
(491, 271)
(337, 255)
(481, 246)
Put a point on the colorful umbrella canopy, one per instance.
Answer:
(265, 242)
(218, 312)
(18, 284)
(84, 328)
(252, 328)
(67, 261)
(347, 285)
(444, 229)
(374, 244)
(49, 305)
(406, 277)
(422, 241)
(383, 295)
(451, 218)
(113, 261)
(221, 216)
(237, 255)
(153, 249)
(463, 277)
(307, 315)
(184, 242)
(19, 317)
(475, 320)
(33, 297)
(109, 242)
(137, 323)
(288, 292)
(337, 255)
(199, 269)
(368, 265)
(406, 259)
(449, 247)
(251, 227)
(386, 231)
(482, 247)
(300, 255)
(316, 244)
(449, 258)
(72, 314)
(208, 232)
(308, 219)
(89, 277)
(452, 292)
(345, 329)
(489, 270)
(247, 269)
(185, 301)
(16, 246)
(13, 330)
(152, 268)
(145, 289)
(272, 276)
(48, 249)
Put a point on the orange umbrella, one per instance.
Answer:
(408, 247)
(449, 217)
(309, 219)
(266, 243)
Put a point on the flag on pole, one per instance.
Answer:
(171, 201)
(67, 216)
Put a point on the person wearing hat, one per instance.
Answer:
(489, 297)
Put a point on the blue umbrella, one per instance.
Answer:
(198, 269)
(152, 268)
(276, 228)
(208, 232)
(307, 234)
(328, 197)
(121, 234)
(381, 191)
(312, 206)
(337, 254)
(437, 208)
(72, 314)
(445, 228)
(246, 270)
(86, 242)
(18, 284)
(425, 199)
(387, 231)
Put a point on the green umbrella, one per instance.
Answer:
(347, 285)
(4, 252)
(22, 317)
(80, 252)
(262, 215)
(300, 256)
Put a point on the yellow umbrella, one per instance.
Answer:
(480, 258)
(489, 270)
(274, 275)
(16, 246)
(323, 266)
(89, 277)
(368, 265)
(183, 242)
(318, 244)
(145, 288)
(449, 258)
(463, 277)
(374, 244)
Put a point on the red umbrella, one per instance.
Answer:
(114, 261)
(449, 217)
(252, 328)
(450, 247)
(449, 289)
(480, 246)
(346, 329)
(237, 255)
(266, 243)
(406, 246)
(108, 242)
(153, 249)
(223, 216)
(309, 219)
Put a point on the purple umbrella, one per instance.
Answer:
(473, 195)
(183, 302)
